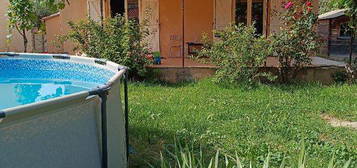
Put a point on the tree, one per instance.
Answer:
(24, 15)
(326, 6)
(22, 18)
(45, 8)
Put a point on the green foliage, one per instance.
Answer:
(156, 54)
(238, 54)
(43, 8)
(22, 18)
(347, 4)
(297, 41)
(187, 157)
(117, 40)
(21, 14)
(340, 77)
(267, 119)
(24, 15)
(326, 6)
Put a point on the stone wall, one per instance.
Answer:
(322, 74)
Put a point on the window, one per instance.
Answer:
(257, 16)
(241, 12)
(133, 10)
(345, 31)
(249, 16)
(117, 7)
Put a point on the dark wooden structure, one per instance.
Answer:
(333, 28)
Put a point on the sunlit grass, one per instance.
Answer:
(252, 122)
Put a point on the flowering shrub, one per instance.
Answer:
(238, 54)
(297, 40)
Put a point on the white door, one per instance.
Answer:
(149, 15)
(94, 10)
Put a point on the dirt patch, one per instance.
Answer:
(339, 123)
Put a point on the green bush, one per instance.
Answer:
(340, 77)
(117, 40)
(238, 54)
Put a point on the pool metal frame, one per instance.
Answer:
(101, 92)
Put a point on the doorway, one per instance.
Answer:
(117, 7)
(184, 22)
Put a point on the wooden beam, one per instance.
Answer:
(126, 9)
(233, 11)
(265, 17)
(269, 15)
(249, 12)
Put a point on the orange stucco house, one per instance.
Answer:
(175, 25)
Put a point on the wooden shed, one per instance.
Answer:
(333, 28)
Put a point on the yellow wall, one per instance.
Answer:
(53, 29)
(16, 44)
(76, 11)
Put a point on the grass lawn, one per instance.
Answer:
(251, 122)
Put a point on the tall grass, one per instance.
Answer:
(186, 157)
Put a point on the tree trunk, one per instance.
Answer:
(351, 48)
(25, 40)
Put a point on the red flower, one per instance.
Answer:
(308, 3)
(288, 5)
(149, 56)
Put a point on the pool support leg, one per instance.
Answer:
(2, 115)
(126, 110)
(103, 93)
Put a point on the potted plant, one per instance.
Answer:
(157, 57)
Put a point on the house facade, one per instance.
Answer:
(178, 25)
(175, 25)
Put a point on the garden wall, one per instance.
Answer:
(322, 74)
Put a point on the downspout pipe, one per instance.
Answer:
(101, 13)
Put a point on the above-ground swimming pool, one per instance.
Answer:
(28, 80)
(61, 111)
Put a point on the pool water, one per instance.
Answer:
(25, 81)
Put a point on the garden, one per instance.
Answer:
(241, 117)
